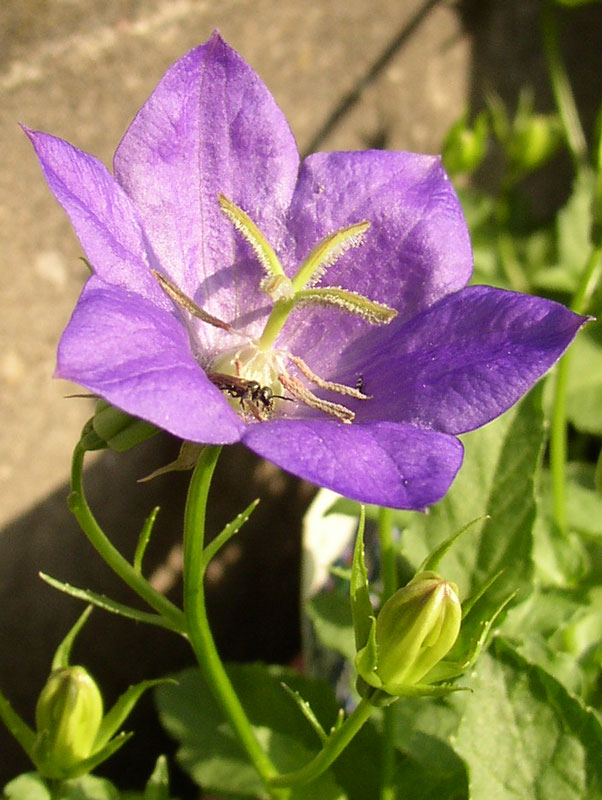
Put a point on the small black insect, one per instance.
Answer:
(359, 384)
(254, 397)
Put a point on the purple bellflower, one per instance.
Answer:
(317, 312)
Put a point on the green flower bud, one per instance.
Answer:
(464, 147)
(119, 430)
(68, 716)
(415, 629)
(533, 141)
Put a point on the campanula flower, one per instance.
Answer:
(317, 312)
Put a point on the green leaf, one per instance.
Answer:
(559, 630)
(523, 735)
(584, 396)
(496, 483)
(423, 732)
(210, 753)
(432, 771)
(88, 787)
(29, 786)
(330, 615)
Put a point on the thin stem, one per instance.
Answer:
(388, 558)
(199, 632)
(389, 580)
(561, 87)
(79, 507)
(332, 748)
(558, 426)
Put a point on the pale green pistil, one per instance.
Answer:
(286, 293)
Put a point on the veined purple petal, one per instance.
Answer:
(391, 464)
(103, 216)
(137, 357)
(416, 251)
(210, 127)
(464, 361)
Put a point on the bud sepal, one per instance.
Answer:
(72, 735)
(402, 650)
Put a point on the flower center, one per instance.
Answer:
(254, 374)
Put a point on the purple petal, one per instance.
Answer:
(210, 127)
(137, 357)
(464, 361)
(416, 251)
(391, 464)
(103, 216)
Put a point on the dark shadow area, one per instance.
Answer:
(508, 54)
(252, 587)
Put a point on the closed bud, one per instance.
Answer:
(534, 140)
(465, 147)
(415, 629)
(68, 716)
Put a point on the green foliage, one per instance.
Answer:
(211, 755)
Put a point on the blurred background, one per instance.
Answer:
(348, 74)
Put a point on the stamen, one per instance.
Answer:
(327, 252)
(328, 385)
(373, 312)
(254, 237)
(302, 393)
(172, 291)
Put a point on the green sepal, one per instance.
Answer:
(119, 430)
(431, 562)
(187, 459)
(89, 440)
(86, 766)
(445, 670)
(470, 601)
(122, 708)
(16, 726)
(423, 690)
(63, 651)
(157, 786)
(362, 613)
(366, 659)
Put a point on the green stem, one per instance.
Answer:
(199, 632)
(333, 747)
(79, 507)
(389, 580)
(561, 87)
(388, 559)
(558, 426)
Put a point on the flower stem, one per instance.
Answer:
(333, 747)
(389, 580)
(558, 426)
(561, 87)
(81, 510)
(199, 632)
